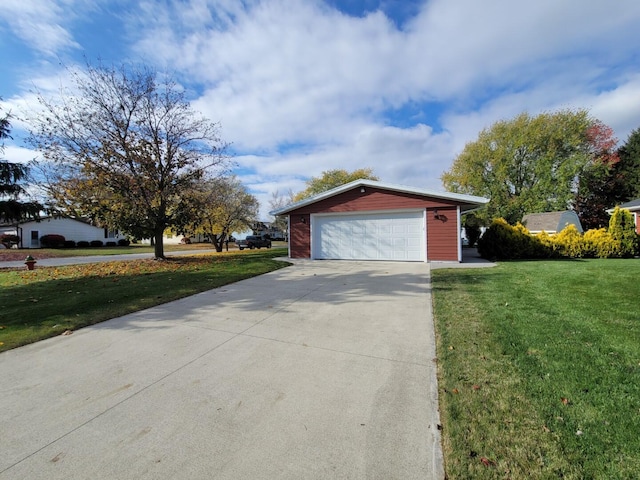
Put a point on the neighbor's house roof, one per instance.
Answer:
(632, 206)
(551, 222)
(467, 202)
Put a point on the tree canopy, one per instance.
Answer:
(218, 207)
(332, 179)
(124, 147)
(527, 164)
(12, 176)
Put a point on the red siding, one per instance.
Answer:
(371, 200)
(300, 235)
(442, 234)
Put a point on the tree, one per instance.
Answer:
(125, 146)
(600, 185)
(11, 189)
(524, 165)
(332, 179)
(218, 207)
(278, 201)
(629, 166)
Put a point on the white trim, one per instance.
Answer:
(458, 234)
(425, 235)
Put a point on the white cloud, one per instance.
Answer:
(40, 23)
(300, 87)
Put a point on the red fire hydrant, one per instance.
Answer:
(30, 262)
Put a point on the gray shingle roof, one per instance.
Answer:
(551, 222)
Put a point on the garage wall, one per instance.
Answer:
(371, 200)
(443, 234)
(300, 235)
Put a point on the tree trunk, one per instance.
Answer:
(217, 242)
(158, 248)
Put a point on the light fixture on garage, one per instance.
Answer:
(361, 189)
(303, 220)
(436, 215)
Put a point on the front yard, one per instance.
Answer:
(49, 301)
(539, 369)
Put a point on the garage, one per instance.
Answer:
(371, 220)
(398, 236)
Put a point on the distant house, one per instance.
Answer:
(634, 208)
(32, 231)
(551, 222)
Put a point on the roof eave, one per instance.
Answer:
(473, 201)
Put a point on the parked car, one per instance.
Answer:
(254, 241)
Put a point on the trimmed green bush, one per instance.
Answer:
(82, 244)
(52, 240)
(69, 244)
(123, 242)
(96, 243)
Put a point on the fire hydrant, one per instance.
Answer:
(30, 262)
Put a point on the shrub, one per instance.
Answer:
(123, 242)
(623, 233)
(69, 243)
(82, 244)
(569, 242)
(96, 243)
(9, 240)
(502, 241)
(111, 244)
(52, 241)
(598, 243)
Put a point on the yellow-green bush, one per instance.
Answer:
(569, 242)
(507, 242)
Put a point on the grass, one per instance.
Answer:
(19, 254)
(48, 301)
(539, 369)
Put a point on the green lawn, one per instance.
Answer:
(539, 369)
(48, 301)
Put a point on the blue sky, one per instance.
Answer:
(302, 86)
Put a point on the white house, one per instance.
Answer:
(31, 231)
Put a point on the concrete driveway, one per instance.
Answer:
(321, 370)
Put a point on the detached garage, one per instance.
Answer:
(368, 220)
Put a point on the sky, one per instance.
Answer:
(304, 86)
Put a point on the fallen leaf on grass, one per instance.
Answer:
(455, 390)
(546, 429)
(487, 463)
(67, 332)
(476, 387)
(565, 401)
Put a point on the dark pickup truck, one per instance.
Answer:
(254, 241)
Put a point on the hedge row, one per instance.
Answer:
(502, 241)
(58, 241)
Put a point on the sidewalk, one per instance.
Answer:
(57, 262)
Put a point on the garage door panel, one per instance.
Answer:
(390, 236)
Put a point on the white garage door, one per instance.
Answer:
(381, 236)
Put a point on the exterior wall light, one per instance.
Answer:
(361, 189)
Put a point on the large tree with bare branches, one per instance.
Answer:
(123, 146)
